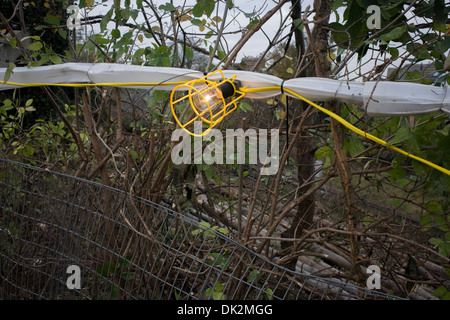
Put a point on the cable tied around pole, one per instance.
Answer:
(444, 96)
(286, 116)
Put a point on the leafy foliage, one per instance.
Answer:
(84, 132)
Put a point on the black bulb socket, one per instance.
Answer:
(228, 88)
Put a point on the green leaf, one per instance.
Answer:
(444, 249)
(134, 14)
(114, 291)
(435, 241)
(269, 293)
(209, 172)
(13, 43)
(28, 150)
(216, 259)
(298, 23)
(216, 292)
(425, 220)
(367, 220)
(338, 34)
(433, 206)
(323, 152)
(414, 76)
(37, 38)
(223, 230)
(124, 263)
(125, 14)
(419, 167)
(220, 54)
(355, 146)
(127, 276)
(336, 4)
(440, 12)
(209, 7)
(402, 135)
(51, 19)
(106, 18)
(55, 59)
(44, 58)
(35, 46)
(394, 53)
(397, 173)
(441, 221)
(423, 54)
(106, 269)
(204, 225)
(63, 33)
(441, 291)
(165, 62)
(245, 107)
(393, 34)
(252, 276)
(197, 11)
(189, 54)
(252, 23)
(167, 7)
(115, 33)
(8, 72)
(397, 161)
(197, 22)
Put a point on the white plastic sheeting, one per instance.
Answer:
(323, 89)
(403, 98)
(62, 73)
(381, 98)
(99, 73)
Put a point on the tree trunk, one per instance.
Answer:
(304, 144)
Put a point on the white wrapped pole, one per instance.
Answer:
(99, 73)
(323, 89)
(60, 73)
(388, 99)
(381, 98)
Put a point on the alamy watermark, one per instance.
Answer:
(235, 150)
(374, 280)
(74, 280)
(374, 20)
(73, 21)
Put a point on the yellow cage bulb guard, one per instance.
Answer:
(207, 99)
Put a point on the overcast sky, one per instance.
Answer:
(257, 44)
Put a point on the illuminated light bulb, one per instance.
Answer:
(208, 99)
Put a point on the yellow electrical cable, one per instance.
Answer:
(351, 127)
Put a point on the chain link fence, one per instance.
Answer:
(126, 247)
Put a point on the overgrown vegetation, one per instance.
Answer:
(339, 202)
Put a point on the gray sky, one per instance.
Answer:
(257, 44)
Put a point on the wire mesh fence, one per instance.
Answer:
(126, 247)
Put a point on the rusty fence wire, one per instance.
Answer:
(54, 227)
